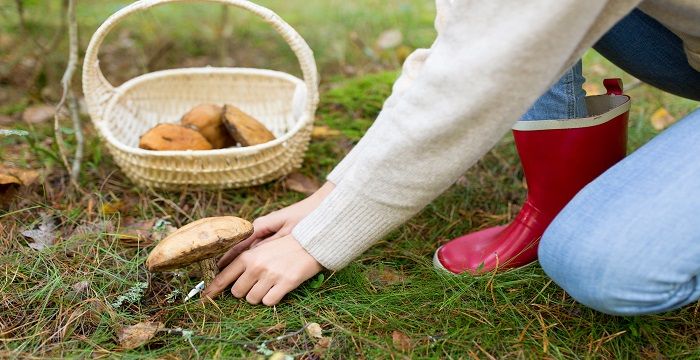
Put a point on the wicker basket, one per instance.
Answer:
(284, 103)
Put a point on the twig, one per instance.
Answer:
(79, 138)
(68, 94)
(190, 334)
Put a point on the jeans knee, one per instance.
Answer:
(606, 278)
(579, 265)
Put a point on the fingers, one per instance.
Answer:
(235, 251)
(265, 241)
(224, 278)
(262, 227)
(244, 283)
(256, 294)
(267, 272)
(276, 293)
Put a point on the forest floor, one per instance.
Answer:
(84, 291)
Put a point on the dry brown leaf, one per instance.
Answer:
(323, 343)
(323, 132)
(386, 276)
(89, 228)
(137, 233)
(111, 207)
(591, 89)
(81, 286)
(44, 236)
(661, 119)
(131, 337)
(300, 183)
(38, 114)
(401, 341)
(279, 327)
(314, 330)
(389, 39)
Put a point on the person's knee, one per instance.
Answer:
(565, 255)
(603, 277)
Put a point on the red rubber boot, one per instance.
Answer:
(559, 158)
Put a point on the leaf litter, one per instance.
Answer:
(44, 235)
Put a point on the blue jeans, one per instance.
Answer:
(629, 242)
(564, 100)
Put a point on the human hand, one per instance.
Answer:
(278, 223)
(267, 272)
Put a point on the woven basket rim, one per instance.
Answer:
(304, 120)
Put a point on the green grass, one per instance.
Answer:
(393, 287)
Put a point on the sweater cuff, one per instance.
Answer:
(344, 226)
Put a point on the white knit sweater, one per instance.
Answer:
(454, 101)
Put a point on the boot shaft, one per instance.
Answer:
(559, 157)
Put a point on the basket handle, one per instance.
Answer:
(98, 91)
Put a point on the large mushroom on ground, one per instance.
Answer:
(199, 241)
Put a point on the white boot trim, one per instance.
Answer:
(602, 107)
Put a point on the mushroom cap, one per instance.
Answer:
(199, 240)
(173, 137)
(244, 128)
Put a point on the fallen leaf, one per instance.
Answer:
(322, 346)
(112, 207)
(279, 327)
(401, 341)
(300, 183)
(93, 227)
(314, 330)
(389, 39)
(661, 119)
(386, 276)
(38, 113)
(81, 286)
(131, 337)
(43, 236)
(323, 343)
(591, 89)
(323, 132)
(137, 233)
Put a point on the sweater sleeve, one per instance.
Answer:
(490, 62)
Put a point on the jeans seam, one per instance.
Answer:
(570, 93)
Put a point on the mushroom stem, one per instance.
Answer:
(209, 269)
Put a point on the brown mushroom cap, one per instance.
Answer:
(206, 118)
(199, 240)
(244, 128)
(173, 137)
